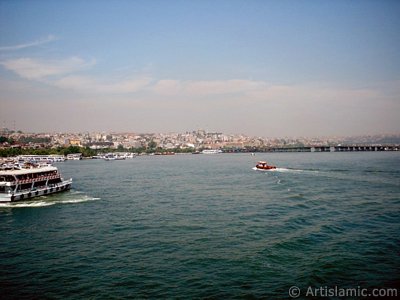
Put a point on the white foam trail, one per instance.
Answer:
(84, 199)
(26, 204)
(284, 170)
(75, 192)
(287, 170)
(52, 201)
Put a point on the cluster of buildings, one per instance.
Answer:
(199, 139)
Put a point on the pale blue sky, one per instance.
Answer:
(268, 68)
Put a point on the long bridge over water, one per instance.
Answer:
(339, 148)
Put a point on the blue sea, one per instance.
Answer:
(207, 227)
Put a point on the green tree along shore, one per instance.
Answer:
(14, 151)
(86, 151)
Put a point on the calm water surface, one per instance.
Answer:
(207, 226)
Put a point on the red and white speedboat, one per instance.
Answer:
(263, 165)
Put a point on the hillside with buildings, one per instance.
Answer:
(181, 142)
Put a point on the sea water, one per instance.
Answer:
(207, 226)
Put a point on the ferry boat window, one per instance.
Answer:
(6, 178)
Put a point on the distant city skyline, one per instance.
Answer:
(261, 68)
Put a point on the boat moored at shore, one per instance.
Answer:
(22, 182)
(74, 156)
(52, 158)
(211, 151)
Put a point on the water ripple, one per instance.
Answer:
(206, 227)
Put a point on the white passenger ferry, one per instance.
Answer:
(74, 156)
(21, 182)
(211, 151)
(42, 158)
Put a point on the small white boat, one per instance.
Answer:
(74, 156)
(110, 157)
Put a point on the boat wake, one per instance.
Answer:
(287, 170)
(66, 198)
(336, 174)
(85, 198)
(296, 170)
(32, 203)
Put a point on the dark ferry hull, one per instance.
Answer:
(40, 191)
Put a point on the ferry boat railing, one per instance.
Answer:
(47, 186)
(37, 179)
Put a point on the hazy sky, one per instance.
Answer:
(267, 68)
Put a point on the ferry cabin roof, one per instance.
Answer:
(29, 171)
(27, 177)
